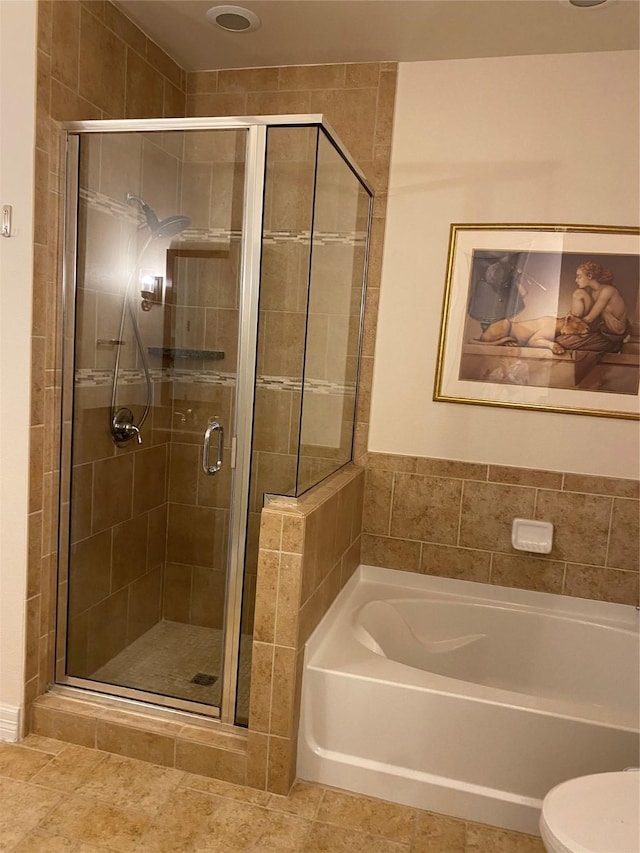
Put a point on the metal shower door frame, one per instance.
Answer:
(255, 163)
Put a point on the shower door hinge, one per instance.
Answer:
(234, 446)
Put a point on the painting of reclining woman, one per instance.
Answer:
(565, 320)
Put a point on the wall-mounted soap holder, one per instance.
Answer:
(532, 536)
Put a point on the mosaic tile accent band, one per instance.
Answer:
(93, 378)
(105, 204)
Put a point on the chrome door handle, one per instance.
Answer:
(213, 426)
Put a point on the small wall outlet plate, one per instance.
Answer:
(533, 536)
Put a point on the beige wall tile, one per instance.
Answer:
(602, 584)
(163, 63)
(129, 551)
(60, 725)
(288, 599)
(144, 89)
(305, 77)
(107, 631)
(135, 743)
(65, 42)
(266, 596)
(271, 530)
(100, 48)
(525, 477)
(451, 562)
(145, 604)
(257, 749)
(601, 485)
(112, 491)
(281, 765)
(293, 534)
(282, 702)
(581, 524)
(527, 573)
(488, 511)
(124, 28)
(360, 74)
(224, 104)
(624, 536)
(391, 462)
(202, 81)
(244, 80)
(226, 764)
(261, 684)
(377, 501)
(278, 103)
(425, 508)
(451, 468)
(90, 571)
(391, 553)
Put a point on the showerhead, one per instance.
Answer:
(169, 227)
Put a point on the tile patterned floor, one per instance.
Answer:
(57, 798)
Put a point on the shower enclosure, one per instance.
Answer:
(214, 283)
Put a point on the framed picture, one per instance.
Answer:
(542, 317)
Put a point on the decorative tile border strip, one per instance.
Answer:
(122, 210)
(94, 378)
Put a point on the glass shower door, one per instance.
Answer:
(154, 351)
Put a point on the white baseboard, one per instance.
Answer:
(9, 723)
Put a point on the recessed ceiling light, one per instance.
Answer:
(585, 4)
(233, 19)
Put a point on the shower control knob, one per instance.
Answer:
(123, 428)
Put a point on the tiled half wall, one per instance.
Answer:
(454, 519)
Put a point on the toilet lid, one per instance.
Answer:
(594, 814)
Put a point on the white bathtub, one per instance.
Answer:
(467, 699)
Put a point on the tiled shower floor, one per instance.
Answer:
(169, 655)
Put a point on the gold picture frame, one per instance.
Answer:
(542, 317)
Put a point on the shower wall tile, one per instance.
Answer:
(124, 28)
(91, 559)
(176, 600)
(65, 42)
(112, 478)
(145, 602)
(129, 558)
(107, 633)
(144, 89)
(595, 554)
(149, 478)
(101, 49)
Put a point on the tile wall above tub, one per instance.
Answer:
(453, 519)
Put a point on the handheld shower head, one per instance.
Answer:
(169, 227)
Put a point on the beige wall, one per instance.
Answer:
(17, 129)
(537, 139)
